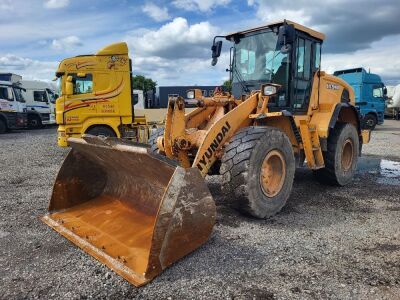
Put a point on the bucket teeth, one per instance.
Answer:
(134, 211)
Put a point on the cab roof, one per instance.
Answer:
(313, 33)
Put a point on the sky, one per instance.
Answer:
(169, 41)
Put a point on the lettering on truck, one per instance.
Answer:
(214, 146)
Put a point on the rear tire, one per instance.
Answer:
(341, 157)
(153, 140)
(3, 126)
(101, 131)
(369, 122)
(258, 169)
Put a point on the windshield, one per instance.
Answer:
(18, 95)
(59, 84)
(52, 95)
(257, 58)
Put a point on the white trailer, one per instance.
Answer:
(12, 106)
(40, 99)
(393, 101)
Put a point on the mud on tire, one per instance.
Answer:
(242, 165)
(153, 140)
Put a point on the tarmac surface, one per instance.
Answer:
(328, 242)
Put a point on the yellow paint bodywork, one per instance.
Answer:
(109, 103)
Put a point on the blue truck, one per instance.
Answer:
(370, 94)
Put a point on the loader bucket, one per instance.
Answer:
(134, 211)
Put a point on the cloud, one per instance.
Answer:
(349, 26)
(176, 53)
(175, 39)
(28, 68)
(6, 6)
(381, 58)
(202, 5)
(157, 13)
(67, 43)
(55, 4)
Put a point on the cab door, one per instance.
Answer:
(306, 63)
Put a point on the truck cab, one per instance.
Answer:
(12, 107)
(40, 102)
(369, 93)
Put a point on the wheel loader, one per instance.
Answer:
(139, 208)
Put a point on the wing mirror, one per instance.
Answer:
(69, 86)
(216, 52)
(286, 36)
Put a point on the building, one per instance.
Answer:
(160, 99)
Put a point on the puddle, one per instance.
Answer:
(388, 171)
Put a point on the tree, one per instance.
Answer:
(227, 85)
(142, 83)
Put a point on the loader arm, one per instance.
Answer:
(199, 136)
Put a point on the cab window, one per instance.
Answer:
(82, 85)
(5, 93)
(377, 91)
(40, 96)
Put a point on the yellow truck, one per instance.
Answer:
(97, 98)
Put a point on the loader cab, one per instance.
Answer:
(283, 53)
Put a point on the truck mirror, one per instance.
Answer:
(69, 86)
(216, 52)
(384, 91)
(286, 36)
(81, 75)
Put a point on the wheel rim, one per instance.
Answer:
(347, 155)
(370, 122)
(273, 172)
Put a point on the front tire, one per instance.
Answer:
(258, 169)
(369, 122)
(34, 122)
(3, 126)
(153, 140)
(341, 157)
(101, 131)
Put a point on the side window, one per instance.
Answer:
(300, 58)
(83, 85)
(204, 93)
(317, 56)
(40, 96)
(377, 91)
(307, 59)
(211, 93)
(4, 93)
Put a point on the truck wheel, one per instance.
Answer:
(153, 140)
(3, 126)
(369, 122)
(34, 122)
(101, 131)
(341, 157)
(258, 168)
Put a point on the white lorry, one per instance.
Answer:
(40, 102)
(12, 106)
(393, 101)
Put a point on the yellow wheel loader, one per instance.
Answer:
(140, 208)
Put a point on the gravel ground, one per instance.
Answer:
(328, 242)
